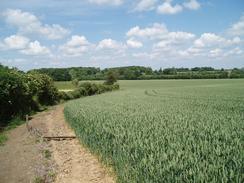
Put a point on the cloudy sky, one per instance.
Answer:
(109, 33)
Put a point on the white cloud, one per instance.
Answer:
(234, 51)
(180, 36)
(154, 32)
(216, 53)
(211, 39)
(145, 5)
(76, 46)
(168, 8)
(134, 43)
(161, 41)
(28, 23)
(160, 33)
(15, 42)
(109, 44)
(192, 51)
(192, 4)
(107, 2)
(35, 49)
(143, 55)
(237, 29)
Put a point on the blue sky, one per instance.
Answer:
(110, 33)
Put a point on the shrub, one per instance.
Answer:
(64, 95)
(111, 78)
(44, 89)
(22, 93)
(87, 89)
(15, 95)
(82, 91)
(75, 82)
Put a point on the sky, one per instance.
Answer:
(113, 33)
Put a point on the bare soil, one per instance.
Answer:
(25, 157)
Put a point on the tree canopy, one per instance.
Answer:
(139, 72)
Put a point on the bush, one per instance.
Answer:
(47, 92)
(22, 93)
(75, 82)
(64, 95)
(88, 89)
(111, 78)
(15, 95)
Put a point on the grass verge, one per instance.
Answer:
(12, 124)
(3, 138)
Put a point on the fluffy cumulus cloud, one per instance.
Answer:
(107, 2)
(36, 49)
(24, 46)
(27, 23)
(109, 44)
(213, 46)
(211, 39)
(132, 43)
(168, 8)
(145, 5)
(192, 4)
(180, 45)
(15, 42)
(237, 28)
(217, 52)
(76, 46)
(159, 32)
(154, 32)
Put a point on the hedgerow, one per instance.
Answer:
(21, 93)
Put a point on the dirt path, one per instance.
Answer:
(73, 163)
(22, 158)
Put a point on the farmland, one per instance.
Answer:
(64, 85)
(166, 131)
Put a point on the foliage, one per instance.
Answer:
(11, 125)
(22, 93)
(237, 73)
(111, 78)
(75, 82)
(14, 123)
(47, 93)
(3, 138)
(166, 131)
(137, 72)
(68, 74)
(15, 95)
(58, 74)
(87, 89)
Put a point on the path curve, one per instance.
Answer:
(76, 164)
(73, 163)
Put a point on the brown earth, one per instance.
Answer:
(25, 157)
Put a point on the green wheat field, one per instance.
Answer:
(166, 131)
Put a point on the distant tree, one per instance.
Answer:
(160, 70)
(111, 78)
(75, 82)
(170, 71)
(73, 74)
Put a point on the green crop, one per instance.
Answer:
(166, 131)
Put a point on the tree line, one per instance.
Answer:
(24, 93)
(139, 73)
